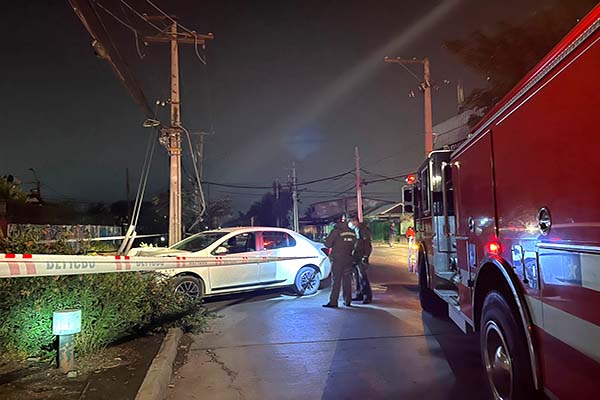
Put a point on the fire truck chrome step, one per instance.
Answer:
(447, 275)
(458, 317)
(449, 296)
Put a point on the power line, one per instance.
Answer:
(410, 72)
(135, 32)
(389, 178)
(269, 187)
(142, 16)
(334, 177)
(157, 8)
(380, 175)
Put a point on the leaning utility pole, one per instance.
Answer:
(171, 137)
(276, 188)
(201, 134)
(425, 86)
(359, 205)
(295, 198)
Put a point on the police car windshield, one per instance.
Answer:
(198, 242)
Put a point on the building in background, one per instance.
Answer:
(450, 133)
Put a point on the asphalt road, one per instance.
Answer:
(272, 345)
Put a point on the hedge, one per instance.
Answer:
(113, 305)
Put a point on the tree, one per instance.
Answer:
(266, 211)
(216, 210)
(505, 55)
(10, 189)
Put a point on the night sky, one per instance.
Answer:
(286, 81)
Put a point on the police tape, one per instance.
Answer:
(29, 265)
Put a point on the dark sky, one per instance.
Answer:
(286, 81)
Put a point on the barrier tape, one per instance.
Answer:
(28, 265)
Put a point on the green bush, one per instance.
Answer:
(32, 243)
(113, 305)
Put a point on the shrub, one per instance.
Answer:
(113, 305)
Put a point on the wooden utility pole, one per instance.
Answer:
(171, 137)
(425, 86)
(359, 205)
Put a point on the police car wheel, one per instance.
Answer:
(504, 351)
(307, 281)
(189, 286)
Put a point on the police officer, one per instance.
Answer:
(341, 242)
(362, 251)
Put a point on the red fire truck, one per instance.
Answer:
(508, 228)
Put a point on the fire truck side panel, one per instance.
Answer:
(424, 223)
(546, 169)
(472, 176)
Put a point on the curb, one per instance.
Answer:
(154, 386)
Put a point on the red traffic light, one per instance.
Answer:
(411, 179)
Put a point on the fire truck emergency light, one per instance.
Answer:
(493, 248)
(411, 179)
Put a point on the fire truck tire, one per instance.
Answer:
(190, 286)
(430, 302)
(504, 351)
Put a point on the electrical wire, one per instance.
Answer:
(170, 18)
(142, 16)
(191, 32)
(139, 198)
(195, 163)
(411, 72)
(234, 186)
(334, 177)
(381, 176)
(135, 32)
(202, 60)
(389, 178)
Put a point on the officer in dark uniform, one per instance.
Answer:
(362, 251)
(341, 242)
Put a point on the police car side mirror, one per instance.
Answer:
(221, 250)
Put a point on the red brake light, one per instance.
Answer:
(493, 248)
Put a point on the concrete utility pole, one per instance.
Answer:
(295, 198)
(175, 228)
(172, 136)
(425, 86)
(359, 205)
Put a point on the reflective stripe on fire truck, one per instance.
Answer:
(578, 333)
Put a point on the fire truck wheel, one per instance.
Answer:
(430, 302)
(307, 281)
(504, 351)
(190, 286)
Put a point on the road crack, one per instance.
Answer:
(212, 355)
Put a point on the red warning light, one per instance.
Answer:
(411, 179)
(493, 248)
